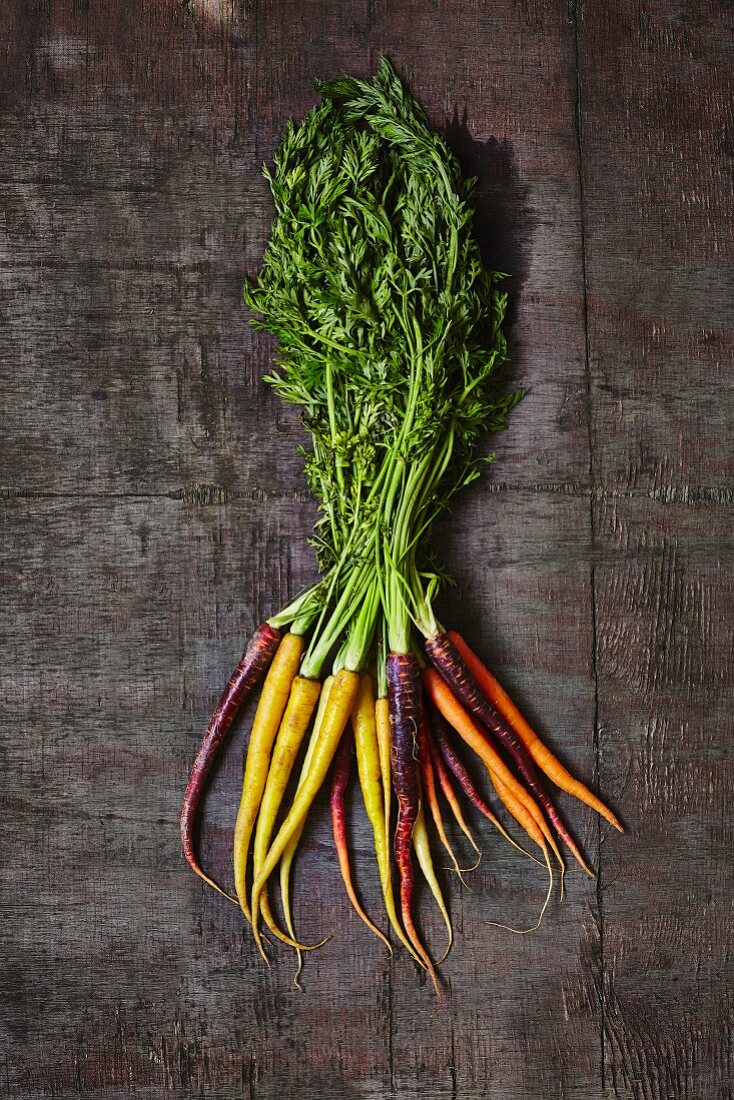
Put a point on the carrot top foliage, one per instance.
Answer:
(389, 327)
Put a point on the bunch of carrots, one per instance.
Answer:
(389, 335)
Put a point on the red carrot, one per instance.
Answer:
(447, 753)
(449, 662)
(339, 784)
(404, 697)
(444, 782)
(429, 775)
(256, 658)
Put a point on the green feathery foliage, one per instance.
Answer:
(389, 328)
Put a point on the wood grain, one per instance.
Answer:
(656, 123)
(154, 510)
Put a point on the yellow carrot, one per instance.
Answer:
(425, 861)
(339, 782)
(286, 862)
(382, 729)
(368, 763)
(370, 776)
(341, 700)
(269, 712)
(301, 703)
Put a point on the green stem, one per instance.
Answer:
(355, 651)
(397, 608)
(329, 377)
(302, 606)
(325, 639)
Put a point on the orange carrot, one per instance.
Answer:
(446, 753)
(449, 662)
(517, 810)
(542, 756)
(452, 710)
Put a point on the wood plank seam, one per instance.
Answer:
(592, 517)
(214, 494)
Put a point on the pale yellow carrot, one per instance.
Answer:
(273, 700)
(341, 700)
(301, 704)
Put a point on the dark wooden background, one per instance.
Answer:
(154, 511)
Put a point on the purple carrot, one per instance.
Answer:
(256, 658)
(404, 699)
(449, 662)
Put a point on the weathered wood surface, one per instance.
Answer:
(154, 511)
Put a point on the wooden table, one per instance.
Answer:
(154, 511)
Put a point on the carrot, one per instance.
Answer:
(370, 768)
(404, 697)
(450, 707)
(273, 700)
(528, 803)
(339, 784)
(428, 777)
(452, 760)
(449, 794)
(518, 811)
(289, 854)
(255, 659)
(422, 848)
(382, 729)
(341, 700)
(303, 698)
(542, 756)
(448, 661)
